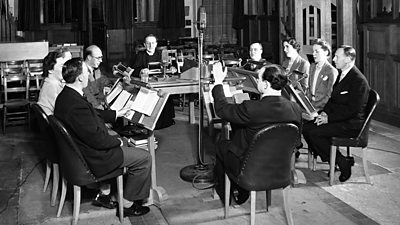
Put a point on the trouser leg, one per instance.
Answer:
(138, 177)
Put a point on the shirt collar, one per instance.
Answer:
(80, 91)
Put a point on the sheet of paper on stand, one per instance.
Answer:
(121, 100)
(115, 91)
(145, 101)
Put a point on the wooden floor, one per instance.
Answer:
(22, 200)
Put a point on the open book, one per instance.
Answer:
(144, 102)
(141, 100)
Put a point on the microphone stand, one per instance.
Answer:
(199, 172)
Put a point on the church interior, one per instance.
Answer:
(191, 35)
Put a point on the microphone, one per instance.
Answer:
(164, 56)
(202, 15)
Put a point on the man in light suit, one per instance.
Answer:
(344, 113)
(249, 117)
(322, 75)
(103, 152)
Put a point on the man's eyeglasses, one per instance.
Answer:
(98, 57)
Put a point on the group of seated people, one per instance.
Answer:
(73, 92)
(339, 100)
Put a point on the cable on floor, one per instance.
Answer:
(20, 185)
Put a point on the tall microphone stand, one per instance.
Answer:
(199, 172)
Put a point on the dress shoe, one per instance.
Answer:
(239, 195)
(345, 170)
(137, 209)
(105, 201)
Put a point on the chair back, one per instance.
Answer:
(373, 100)
(72, 163)
(14, 79)
(267, 163)
(49, 144)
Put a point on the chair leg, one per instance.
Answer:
(268, 198)
(4, 119)
(365, 165)
(56, 181)
(332, 164)
(120, 198)
(286, 205)
(227, 195)
(314, 165)
(310, 159)
(77, 204)
(252, 207)
(293, 177)
(47, 177)
(62, 197)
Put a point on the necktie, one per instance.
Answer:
(338, 78)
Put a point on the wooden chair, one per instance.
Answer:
(34, 70)
(15, 89)
(50, 151)
(75, 170)
(266, 166)
(361, 141)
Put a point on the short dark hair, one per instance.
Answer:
(293, 42)
(349, 51)
(275, 75)
(51, 59)
(72, 69)
(150, 35)
(324, 45)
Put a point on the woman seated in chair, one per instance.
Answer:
(247, 119)
(53, 80)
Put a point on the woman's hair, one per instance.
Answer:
(51, 59)
(275, 75)
(293, 42)
(324, 45)
(71, 70)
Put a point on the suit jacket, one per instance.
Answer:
(348, 100)
(142, 59)
(253, 115)
(87, 126)
(300, 65)
(323, 88)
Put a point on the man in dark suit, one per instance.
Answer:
(344, 113)
(248, 118)
(103, 152)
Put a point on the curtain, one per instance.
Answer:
(171, 14)
(29, 15)
(119, 13)
(238, 15)
(80, 15)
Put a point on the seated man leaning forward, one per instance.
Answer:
(249, 117)
(103, 152)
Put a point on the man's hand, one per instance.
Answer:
(122, 112)
(321, 119)
(307, 116)
(219, 73)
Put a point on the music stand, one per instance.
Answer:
(250, 83)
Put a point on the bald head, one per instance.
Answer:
(93, 56)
